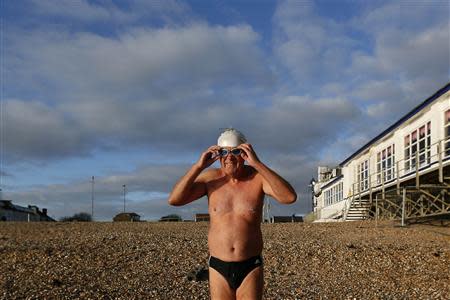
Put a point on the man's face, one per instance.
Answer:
(231, 160)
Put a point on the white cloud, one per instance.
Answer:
(86, 12)
(32, 130)
(139, 61)
(407, 55)
(314, 49)
(378, 90)
(409, 16)
(142, 86)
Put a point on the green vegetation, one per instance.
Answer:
(309, 218)
(79, 217)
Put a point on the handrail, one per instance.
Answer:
(346, 209)
(396, 173)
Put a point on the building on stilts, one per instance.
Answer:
(401, 174)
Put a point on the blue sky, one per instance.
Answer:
(132, 92)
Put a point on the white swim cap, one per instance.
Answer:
(231, 138)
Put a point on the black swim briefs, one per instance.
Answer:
(235, 272)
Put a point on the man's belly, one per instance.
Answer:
(233, 238)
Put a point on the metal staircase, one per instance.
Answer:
(358, 210)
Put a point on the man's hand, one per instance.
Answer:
(208, 157)
(249, 155)
(273, 184)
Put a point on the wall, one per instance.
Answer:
(17, 216)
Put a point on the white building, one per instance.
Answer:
(412, 156)
(17, 213)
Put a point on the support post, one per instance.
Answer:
(124, 195)
(403, 207)
(359, 198)
(421, 206)
(441, 170)
(376, 210)
(398, 177)
(417, 170)
(353, 196)
(92, 198)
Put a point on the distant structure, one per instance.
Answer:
(171, 218)
(286, 219)
(127, 217)
(16, 213)
(401, 174)
(267, 206)
(201, 218)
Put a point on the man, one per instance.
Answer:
(235, 199)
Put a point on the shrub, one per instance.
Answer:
(79, 217)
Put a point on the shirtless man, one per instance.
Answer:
(235, 199)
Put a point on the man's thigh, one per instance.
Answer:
(219, 288)
(253, 285)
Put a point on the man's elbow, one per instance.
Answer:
(290, 198)
(174, 202)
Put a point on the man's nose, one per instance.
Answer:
(229, 156)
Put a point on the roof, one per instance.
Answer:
(31, 209)
(331, 181)
(8, 205)
(128, 214)
(202, 215)
(406, 117)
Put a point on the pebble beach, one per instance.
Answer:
(146, 260)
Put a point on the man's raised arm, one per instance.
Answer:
(192, 185)
(273, 184)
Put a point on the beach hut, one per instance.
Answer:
(127, 217)
(201, 218)
(286, 219)
(171, 218)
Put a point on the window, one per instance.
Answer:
(363, 176)
(334, 194)
(418, 143)
(447, 132)
(386, 164)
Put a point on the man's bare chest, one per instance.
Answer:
(235, 197)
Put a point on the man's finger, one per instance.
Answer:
(246, 149)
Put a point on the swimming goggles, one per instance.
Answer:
(224, 152)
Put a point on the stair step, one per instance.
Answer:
(354, 219)
(356, 214)
(360, 206)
